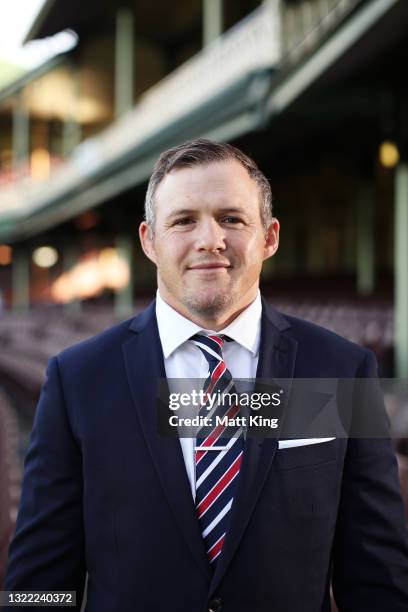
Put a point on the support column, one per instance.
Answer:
(124, 60)
(365, 242)
(71, 128)
(212, 20)
(124, 297)
(20, 294)
(401, 270)
(71, 136)
(21, 134)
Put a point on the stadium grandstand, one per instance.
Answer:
(313, 90)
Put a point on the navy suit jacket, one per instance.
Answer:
(104, 494)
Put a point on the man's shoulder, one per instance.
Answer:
(325, 353)
(308, 331)
(304, 330)
(107, 342)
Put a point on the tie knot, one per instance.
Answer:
(210, 346)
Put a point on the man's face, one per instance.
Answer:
(208, 242)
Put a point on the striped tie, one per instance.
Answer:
(217, 459)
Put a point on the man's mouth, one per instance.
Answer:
(209, 266)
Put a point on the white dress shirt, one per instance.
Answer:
(182, 359)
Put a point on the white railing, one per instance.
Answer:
(305, 23)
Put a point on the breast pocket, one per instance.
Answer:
(307, 455)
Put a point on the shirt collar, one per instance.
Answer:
(174, 329)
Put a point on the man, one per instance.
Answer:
(103, 493)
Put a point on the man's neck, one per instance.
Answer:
(216, 323)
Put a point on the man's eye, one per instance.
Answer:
(232, 220)
(184, 221)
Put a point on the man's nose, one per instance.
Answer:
(210, 236)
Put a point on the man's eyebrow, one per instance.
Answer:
(181, 211)
(232, 209)
(193, 211)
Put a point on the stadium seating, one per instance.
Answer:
(28, 341)
(10, 476)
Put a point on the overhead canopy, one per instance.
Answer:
(163, 23)
(57, 16)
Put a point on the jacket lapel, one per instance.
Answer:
(277, 355)
(144, 366)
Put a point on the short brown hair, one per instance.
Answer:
(201, 152)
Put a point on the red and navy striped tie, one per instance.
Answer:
(217, 458)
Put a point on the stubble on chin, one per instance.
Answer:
(207, 307)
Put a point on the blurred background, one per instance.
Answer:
(92, 91)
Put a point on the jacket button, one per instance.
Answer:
(215, 605)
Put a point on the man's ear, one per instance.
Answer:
(146, 240)
(272, 239)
